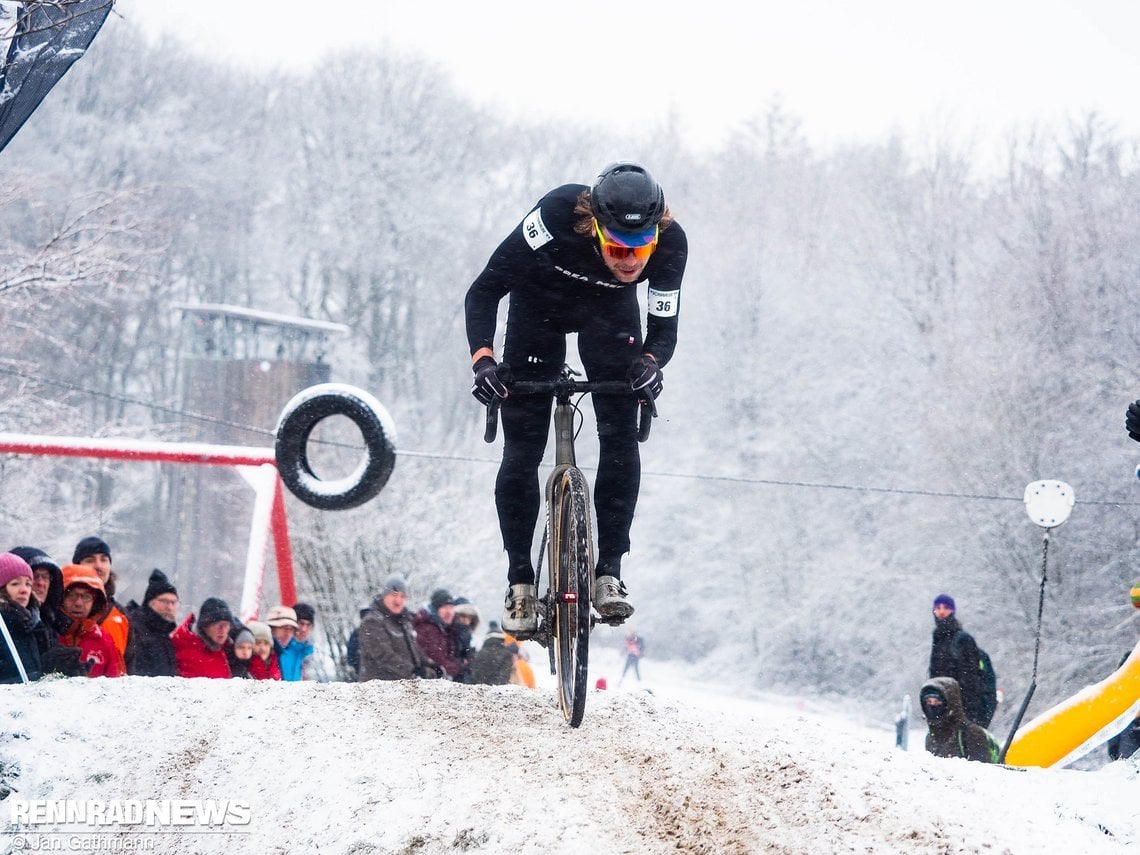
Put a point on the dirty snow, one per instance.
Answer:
(427, 767)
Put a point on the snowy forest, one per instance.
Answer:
(880, 346)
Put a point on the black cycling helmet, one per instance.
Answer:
(626, 198)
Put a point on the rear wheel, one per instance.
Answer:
(571, 569)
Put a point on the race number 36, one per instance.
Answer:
(663, 304)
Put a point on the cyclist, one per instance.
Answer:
(573, 266)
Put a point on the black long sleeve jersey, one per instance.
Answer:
(544, 252)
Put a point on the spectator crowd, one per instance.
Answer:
(66, 620)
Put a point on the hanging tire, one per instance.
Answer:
(302, 414)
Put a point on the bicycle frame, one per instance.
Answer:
(565, 619)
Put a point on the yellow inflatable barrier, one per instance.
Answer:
(1077, 726)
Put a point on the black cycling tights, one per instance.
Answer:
(518, 494)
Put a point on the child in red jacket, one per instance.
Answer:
(83, 598)
(264, 664)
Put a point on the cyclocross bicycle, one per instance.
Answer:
(564, 616)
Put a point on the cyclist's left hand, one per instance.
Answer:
(644, 376)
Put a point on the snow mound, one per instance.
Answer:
(426, 767)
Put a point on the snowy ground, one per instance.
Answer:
(427, 767)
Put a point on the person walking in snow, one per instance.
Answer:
(634, 648)
(954, 653)
(573, 265)
(388, 649)
(950, 733)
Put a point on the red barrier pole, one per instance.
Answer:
(282, 552)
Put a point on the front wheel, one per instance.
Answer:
(571, 569)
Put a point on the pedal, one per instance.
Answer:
(608, 621)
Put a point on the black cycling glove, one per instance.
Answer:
(644, 376)
(488, 382)
(1132, 421)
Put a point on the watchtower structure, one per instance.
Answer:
(239, 367)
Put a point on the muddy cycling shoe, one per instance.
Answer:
(610, 599)
(520, 611)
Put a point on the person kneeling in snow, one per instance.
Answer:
(951, 733)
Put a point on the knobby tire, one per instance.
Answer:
(570, 573)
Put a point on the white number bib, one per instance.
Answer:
(663, 304)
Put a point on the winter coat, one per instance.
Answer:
(493, 664)
(291, 658)
(95, 648)
(150, 652)
(954, 653)
(264, 669)
(463, 649)
(388, 649)
(195, 657)
(436, 640)
(117, 627)
(30, 637)
(51, 611)
(1125, 744)
(954, 735)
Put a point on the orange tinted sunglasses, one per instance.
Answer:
(614, 248)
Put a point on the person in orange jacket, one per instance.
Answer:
(200, 651)
(83, 600)
(523, 673)
(94, 552)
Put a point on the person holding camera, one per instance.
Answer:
(388, 649)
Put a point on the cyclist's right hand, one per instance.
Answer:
(490, 380)
(1132, 420)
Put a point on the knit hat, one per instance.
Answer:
(243, 637)
(35, 557)
(282, 616)
(464, 606)
(1136, 595)
(441, 597)
(214, 610)
(260, 631)
(305, 612)
(394, 584)
(157, 586)
(945, 600)
(80, 574)
(90, 545)
(13, 567)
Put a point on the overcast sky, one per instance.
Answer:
(849, 71)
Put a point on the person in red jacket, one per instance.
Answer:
(83, 600)
(264, 664)
(200, 651)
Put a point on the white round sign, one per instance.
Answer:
(1049, 503)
